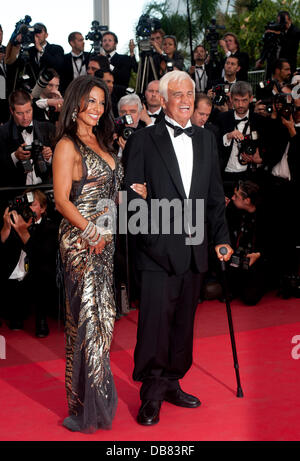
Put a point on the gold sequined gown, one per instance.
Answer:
(90, 306)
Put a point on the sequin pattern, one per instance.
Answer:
(90, 307)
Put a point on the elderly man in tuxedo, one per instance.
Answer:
(179, 163)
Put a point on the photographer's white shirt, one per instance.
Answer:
(233, 165)
(31, 178)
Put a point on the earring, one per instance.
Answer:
(74, 115)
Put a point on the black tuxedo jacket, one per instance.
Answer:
(149, 157)
(10, 140)
(53, 57)
(67, 73)
(123, 65)
(226, 124)
(159, 117)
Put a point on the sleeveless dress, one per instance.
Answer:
(90, 303)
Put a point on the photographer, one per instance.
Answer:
(28, 254)
(75, 62)
(283, 186)
(121, 65)
(171, 58)
(199, 72)
(243, 138)
(281, 40)
(25, 145)
(281, 74)
(33, 58)
(231, 47)
(131, 105)
(249, 273)
(48, 106)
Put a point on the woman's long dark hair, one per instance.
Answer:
(77, 93)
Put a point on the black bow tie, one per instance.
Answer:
(200, 67)
(77, 57)
(153, 115)
(245, 119)
(29, 129)
(190, 131)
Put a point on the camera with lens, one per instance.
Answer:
(248, 146)
(121, 128)
(239, 259)
(221, 94)
(283, 105)
(21, 204)
(212, 37)
(27, 32)
(145, 27)
(40, 166)
(95, 35)
(44, 78)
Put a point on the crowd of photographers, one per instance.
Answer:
(257, 131)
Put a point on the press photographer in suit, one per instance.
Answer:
(25, 145)
(177, 161)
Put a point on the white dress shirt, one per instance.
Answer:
(233, 165)
(200, 78)
(183, 148)
(79, 67)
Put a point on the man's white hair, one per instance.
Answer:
(174, 76)
(130, 100)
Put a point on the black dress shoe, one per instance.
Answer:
(42, 329)
(182, 399)
(16, 325)
(149, 412)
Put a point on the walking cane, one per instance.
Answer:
(223, 251)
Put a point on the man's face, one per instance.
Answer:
(37, 209)
(77, 44)
(152, 95)
(108, 43)
(180, 104)
(285, 72)
(201, 113)
(241, 103)
(109, 80)
(157, 38)
(22, 114)
(52, 88)
(133, 110)
(231, 43)
(42, 37)
(231, 67)
(239, 199)
(199, 54)
(92, 67)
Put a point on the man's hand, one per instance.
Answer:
(145, 117)
(5, 231)
(22, 154)
(224, 257)
(121, 142)
(47, 153)
(253, 257)
(290, 124)
(20, 226)
(56, 103)
(235, 134)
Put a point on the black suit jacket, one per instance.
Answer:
(149, 157)
(226, 124)
(123, 65)
(67, 73)
(53, 57)
(10, 140)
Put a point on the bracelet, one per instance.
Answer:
(91, 234)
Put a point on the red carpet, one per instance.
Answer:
(32, 394)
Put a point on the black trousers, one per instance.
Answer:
(164, 349)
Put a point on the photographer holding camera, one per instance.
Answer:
(50, 101)
(248, 268)
(28, 247)
(231, 47)
(281, 40)
(243, 138)
(25, 145)
(130, 105)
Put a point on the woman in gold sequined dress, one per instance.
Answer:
(86, 177)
